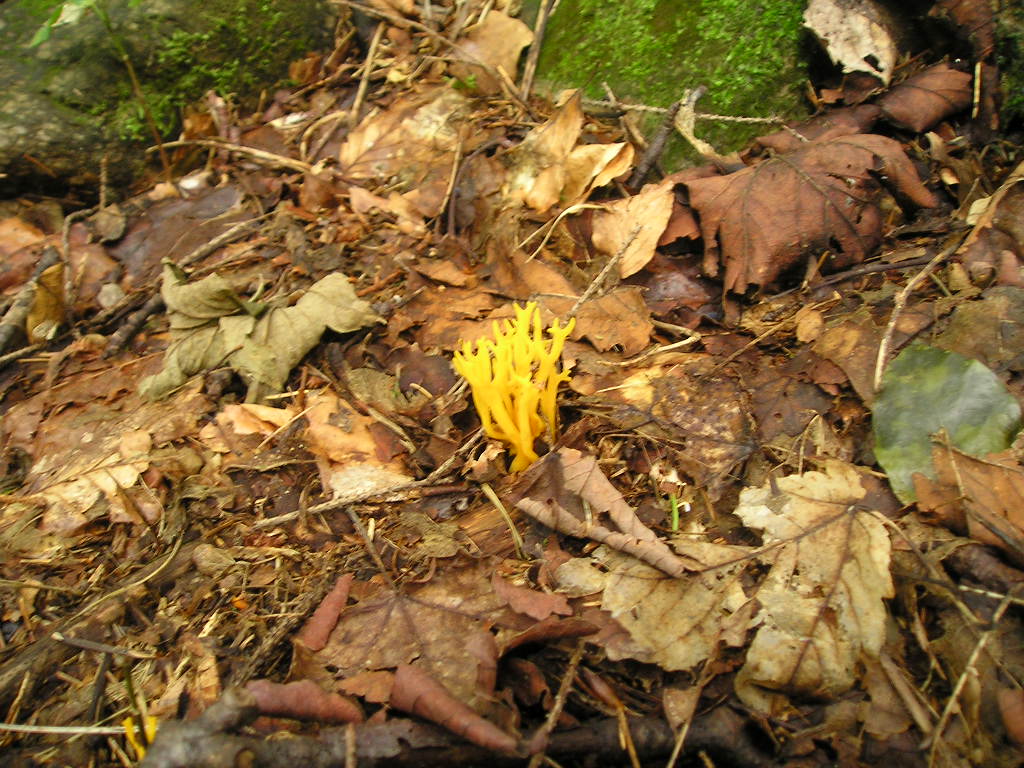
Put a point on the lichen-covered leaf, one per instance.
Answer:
(206, 333)
(926, 390)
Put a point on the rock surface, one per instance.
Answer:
(67, 102)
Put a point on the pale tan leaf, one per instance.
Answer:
(822, 607)
(614, 227)
(537, 172)
(590, 166)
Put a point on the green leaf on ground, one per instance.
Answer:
(926, 390)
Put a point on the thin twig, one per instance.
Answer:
(364, 81)
(70, 287)
(66, 730)
(684, 122)
(635, 137)
(935, 738)
(310, 131)
(616, 104)
(900, 302)
(544, 732)
(655, 148)
(256, 154)
(92, 645)
(368, 544)
(530, 67)
(517, 539)
(463, 52)
(599, 280)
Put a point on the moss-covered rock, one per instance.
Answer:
(67, 102)
(1010, 55)
(749, 55)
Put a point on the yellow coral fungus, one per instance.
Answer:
(515, 378)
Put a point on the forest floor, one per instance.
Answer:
(736, 482)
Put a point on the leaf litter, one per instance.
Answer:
(283, 451)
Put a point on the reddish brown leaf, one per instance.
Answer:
(552, 628)
(444, 625)
(984, 494)
(527, 681)
(370, 686)
(619, 318)
(1011, 707)
(927, 98)
(536, 605)
(831, 125)
(303, 700)
(419, 694)
(496, 41)
(317, 629)
(763, 220)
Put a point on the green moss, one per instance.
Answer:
(230, 46)
(1010, 56)
(747, 53)
(230, 57)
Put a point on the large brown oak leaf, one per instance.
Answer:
(760, 221)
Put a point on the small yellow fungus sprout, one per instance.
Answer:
(515, 379)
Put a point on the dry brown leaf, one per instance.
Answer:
(47, 311)
(418, 693)
(704, 416)
(347, 453)
(985, 212)
(411, 146)
(88, 461)
(590, 166)
(888, 714)
(852, 345)
(1011, 708)
(832, 124)
(374, 687)
(318, 627)
(620, 318)
(443, 627)
(858, 34)
(445, 272)
(408, 218)
(761, 221)
(537, 172)
(16, 234)
(648, 211)
(303, 700)
(984, 496)
(567, 491)
(530, 602)
(674, 622)
(497, 41)
(927, 98)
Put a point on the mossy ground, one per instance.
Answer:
(232, 46)
(242, 47)
(1010, 55)
(750, 55)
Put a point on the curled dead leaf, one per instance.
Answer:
(417, 693)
